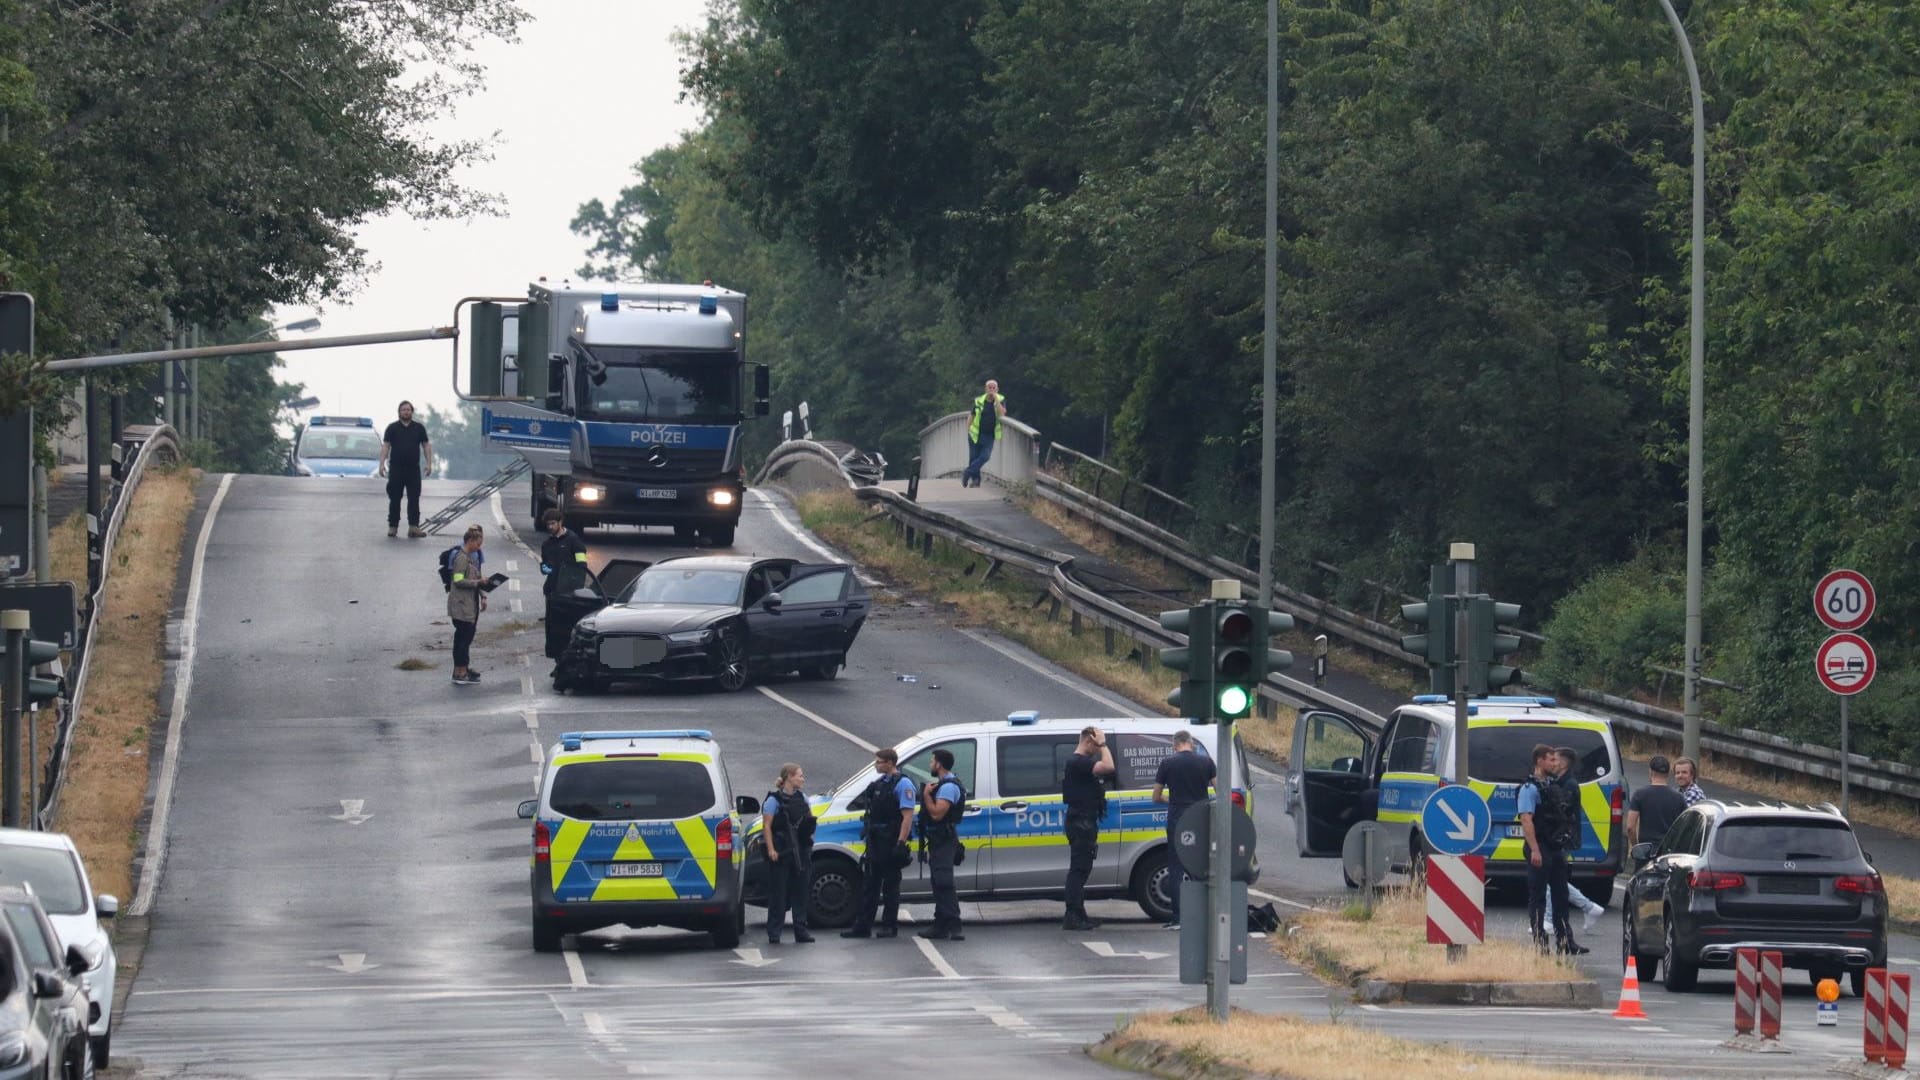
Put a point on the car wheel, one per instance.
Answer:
(726, 930)
(834, 898)
(1677, 975)
(1644, 963)
(1153, 884)
(721, 535)
(1857, 978)
(546, 935)
(102, 1044)
(730, 659)
(822, 672)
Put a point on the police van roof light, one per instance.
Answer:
(609, 301)
(709, 304)
(1024, 717)
(1429, 699)
(1521, 699)
(571, 740)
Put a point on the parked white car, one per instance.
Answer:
(51, 865)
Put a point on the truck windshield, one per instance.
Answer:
(660, 385)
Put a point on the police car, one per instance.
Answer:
(636, 828)
(336, 446)
(1014, 829)
(1340, 769)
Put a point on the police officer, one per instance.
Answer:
(789, 838)
(1545, 813)
(891, 800)
(1084, 789)
(563, 560)
(942, 803)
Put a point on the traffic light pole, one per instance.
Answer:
(1461, 555)
(1220, 863)
(16, 624)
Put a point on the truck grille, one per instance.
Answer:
(658, 462)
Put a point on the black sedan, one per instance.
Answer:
(1782, 878)
(724, 618)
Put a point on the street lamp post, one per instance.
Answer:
(1696, 393)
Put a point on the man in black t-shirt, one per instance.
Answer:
(1182, 781)
(403, 450)
(1084, 790)
(1654, 808)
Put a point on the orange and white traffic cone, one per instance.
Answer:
(1629, 1008)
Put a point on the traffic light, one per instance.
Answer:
(1190, 697)
(1435, 617)
(37, 689)
(1485, 644)
(1233, 648)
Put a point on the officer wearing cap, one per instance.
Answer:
(888, 829)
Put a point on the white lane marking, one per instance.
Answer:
(514, 605)
(933, 956)
(513, 584)
(350, 963)
(1264, 895)
(444, 992)
(808, 539)
(526, 660)
(576, 971)
(1904, 960)
(821, 720)
(1646, 1027)
(513, 565)
(532, 719)
(177, 719)
(1003, 1017)
(752, 958)
(534, 749)
(500, 515)
(1105, 950)
(596, 1025)
(526, 685)
(1122, 706)
(350, 812)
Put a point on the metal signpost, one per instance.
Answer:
(1845, 663)
(1461, 555)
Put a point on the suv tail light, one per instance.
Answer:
(1864, 884)
(1619, 800)
(723, 838)
(542, 842)
(1715, 879)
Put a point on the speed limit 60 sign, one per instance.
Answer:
(1844, 599)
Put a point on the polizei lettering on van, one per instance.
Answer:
(658, 435)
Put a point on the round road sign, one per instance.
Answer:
(1844, 599)
(1845, 663)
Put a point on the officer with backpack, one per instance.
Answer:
(942, 804)
(788, 835)
(466, 599)
(563, 561)
(891, 800)
(1549, 811)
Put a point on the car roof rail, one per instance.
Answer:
(572, 740)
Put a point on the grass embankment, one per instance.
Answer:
(106, 783)
(1392, 945)
(1297, 1049)
(1006, 604)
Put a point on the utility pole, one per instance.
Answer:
(1220, 863)
(1461, 555)
(16, 624)
(1269, 385)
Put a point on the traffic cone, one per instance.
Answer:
(1629, 1008)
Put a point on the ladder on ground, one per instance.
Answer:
(482, 491)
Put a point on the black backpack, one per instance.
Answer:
(446, 567)
(1557, 821)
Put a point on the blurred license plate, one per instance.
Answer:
(1516, 832)
(630, 652)
(636, 869)
(657, 493)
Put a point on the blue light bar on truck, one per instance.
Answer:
(609, 301)
(709, 304)
(571, 740)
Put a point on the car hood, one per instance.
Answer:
(341, 466)
(654, 618)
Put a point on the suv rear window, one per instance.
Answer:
(1774, 839)
(1503, 753)
(647, 789)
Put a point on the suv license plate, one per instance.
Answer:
(636, 869)
(656, 493)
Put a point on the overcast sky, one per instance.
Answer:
(591, 89)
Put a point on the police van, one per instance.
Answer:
(636, 828)
(1014, 828)
(335, 446)
(1342, 772)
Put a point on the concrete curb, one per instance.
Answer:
(1866, 1070)
(1583, 994)
(1168, 1061)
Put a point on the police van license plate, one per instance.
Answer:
(636, 869)
(631, 652)
(1516, 832)
(656, 493)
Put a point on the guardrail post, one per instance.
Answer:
(913, 481)
(926, 544)
(1109, 639)
(1074, 626)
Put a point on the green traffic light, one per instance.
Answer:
(1234, 701)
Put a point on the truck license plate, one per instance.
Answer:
(631, 652)
(636, 869)
(656, 493)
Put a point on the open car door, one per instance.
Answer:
(1327, 780)
(610, 585)
(618, 576)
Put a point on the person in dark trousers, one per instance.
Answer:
(942, 802)
(1652, 810)
(1182, 780)
(466, 599)
(1083, 788)
(403, 450)
(789, 839)
(563, 560)
(891, 800)
(1547, 809)
(982, 428)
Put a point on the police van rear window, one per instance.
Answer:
(1503, 753)
(1137, 756)
(646, 789)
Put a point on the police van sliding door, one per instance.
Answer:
(1028, 816)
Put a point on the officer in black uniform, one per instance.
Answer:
(943, 802)
(890, 801)
(788, 835)
(1084, 789)
(563, 561)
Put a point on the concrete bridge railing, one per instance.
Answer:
(943, 450)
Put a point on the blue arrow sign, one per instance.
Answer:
(1455, 820)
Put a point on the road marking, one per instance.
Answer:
(350, 812)
(526, 685)
(500, 515)
(596, 1025)
(1644, 1027)
(350, 963)
(1122, 706)
(532, 719)
(576, 971)
(513, 565)
(1003, 1017)
(443, 991)
(1262, 894)
(1907, 961)
(177, 719)
(513, 584)
(514, 605)
(1106, 951)
(933, 956)
(806, 538)
(821, 720)
(534, 748)
(752, 958)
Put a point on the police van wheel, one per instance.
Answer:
(546, 935)
(835, 894)
(1153, 885)
(726, 930)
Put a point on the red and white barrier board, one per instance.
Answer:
(1456, 899)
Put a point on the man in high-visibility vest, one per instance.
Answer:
(988, 410)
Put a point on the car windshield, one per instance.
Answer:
(625, 789)
(52, 873)
(1503, 753)
(667, 585)
(360, 444)
(1774, 839)
(652, 384)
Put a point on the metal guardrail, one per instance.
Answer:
(797, 451)
(156, 443)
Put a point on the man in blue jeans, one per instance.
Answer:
(1182, 781)
(988, 410)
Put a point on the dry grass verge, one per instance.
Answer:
(1863, 807)
(1393, 946)
(1298, 1049)
(1903, 898)
(107, 774)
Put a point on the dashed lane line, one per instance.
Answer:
(1120, 705)
(576, 971)
(821, 720)
(442, 991)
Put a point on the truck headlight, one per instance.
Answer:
(720, 497)
(590, 493)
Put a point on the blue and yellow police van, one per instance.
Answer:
(1343, 772)
(1014, 830)
(636, 828)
